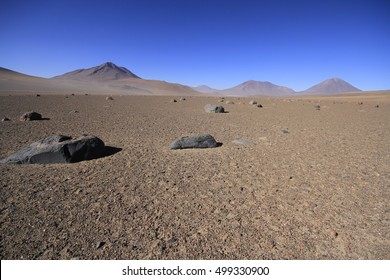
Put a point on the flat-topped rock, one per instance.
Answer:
(59, 149)
(194, 142)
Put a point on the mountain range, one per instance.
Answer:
(109, 78)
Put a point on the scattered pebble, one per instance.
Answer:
(5, 119)
(100, 244)
(334, 234)
(182, 99)
(317, 107)
(109, 98)
(229, 102)
(173, 100)
(252, 102)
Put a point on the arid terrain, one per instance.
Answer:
(312, 184)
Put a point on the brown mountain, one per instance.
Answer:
(105, 72)
(103, 79)
(331, 86)
(254, 88)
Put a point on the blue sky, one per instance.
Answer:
(218, 43)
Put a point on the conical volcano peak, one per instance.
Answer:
(332, 86)
(107, 71)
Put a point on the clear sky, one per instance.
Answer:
(219, 43)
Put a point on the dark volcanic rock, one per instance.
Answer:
(196, 141)
(59, 149)
(31, 116)
(209, 108)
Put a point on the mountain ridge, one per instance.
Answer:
(110, 77)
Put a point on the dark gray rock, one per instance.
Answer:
(59, 149)
(173, 100)
(31, 116)
(196, 141)
(209, 108)
(5, 119)
(317, 107)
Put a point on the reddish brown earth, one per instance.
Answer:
(320, 191)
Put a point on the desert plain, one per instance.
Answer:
(307, 184)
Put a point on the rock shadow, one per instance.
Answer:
(109, 151)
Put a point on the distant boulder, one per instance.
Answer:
(209, 108)
(59, 149)
(252, 102)
(196, 141)
(31, 116)
(109, 98)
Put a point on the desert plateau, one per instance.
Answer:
(302, 177)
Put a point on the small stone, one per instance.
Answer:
(100, 244)
(38, 95)
(182, 99)
(209, 108)
(334, 234)
(285, 131)
(5, 119)
(229, 102)
(252, 102)
(109, 98)
(31, 116)
(317, 107)
(173, 100)
(73, 112)
(259, 106)
(376, 106)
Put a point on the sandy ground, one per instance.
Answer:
(320, 191)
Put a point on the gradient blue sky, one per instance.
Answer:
(218, 43)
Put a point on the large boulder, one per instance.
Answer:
(59, 149)
(209, 108)
(195, 141)
(31, 116)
